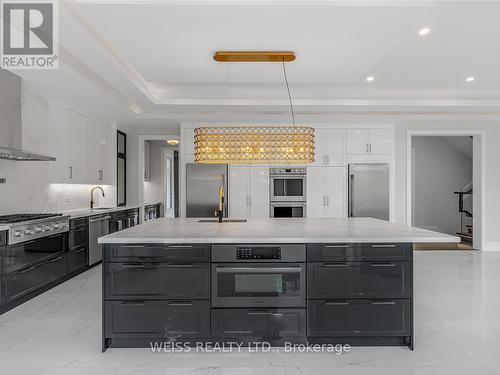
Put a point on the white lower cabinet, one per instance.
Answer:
(248, 192)
(326, 191)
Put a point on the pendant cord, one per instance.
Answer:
(288, 90)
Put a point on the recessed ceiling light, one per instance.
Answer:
(470, 79)
(370, 79)
(424, 31)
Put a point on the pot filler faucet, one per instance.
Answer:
(220, 211)
(92, 195)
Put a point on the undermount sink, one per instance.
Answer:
(224, 221)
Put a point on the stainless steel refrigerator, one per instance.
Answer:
(202, 186)
(369, 190)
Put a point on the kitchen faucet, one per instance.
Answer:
(92, 195)
(220, 211)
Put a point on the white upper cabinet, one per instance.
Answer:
(106, 153)
(326, 192)
(147, 160)
(329, 147)
(67, 140)
(248, 192)
(90, 151)
(83, 148)
(369, 141)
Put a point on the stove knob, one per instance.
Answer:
(29, 231)
(57, 225)
(19, 233)
(40, 229)
(47, 228)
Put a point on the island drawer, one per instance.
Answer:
(359, 252)
(382, 317)
(158, 252)
(173, 318)
(258, 322)
(359, 279)
(143, 280)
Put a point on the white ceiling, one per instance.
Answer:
(145, 62)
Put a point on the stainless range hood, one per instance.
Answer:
(11, 120)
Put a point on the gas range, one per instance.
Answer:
(27, 227)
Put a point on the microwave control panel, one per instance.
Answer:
(257, 252)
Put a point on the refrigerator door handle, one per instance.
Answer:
(351, 195)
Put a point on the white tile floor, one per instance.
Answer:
(457, 326)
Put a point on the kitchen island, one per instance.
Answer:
(325, 281)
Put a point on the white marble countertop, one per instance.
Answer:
(85, 212)
(306, 230)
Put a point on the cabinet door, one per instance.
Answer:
(315, 191)
(91, 165)
(142, 280)
(77, 259)
(335, 192)
(258, 322)
(380, 141)
(335, 147)
(259, 192)
(319, 147)
(358, 317)
(238, 192)
(188, 141)
(76, 142)
(105, 153)
(59, 145)
(357, 141)
(176, 319)
(359, 279)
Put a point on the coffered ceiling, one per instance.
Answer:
(146, 62)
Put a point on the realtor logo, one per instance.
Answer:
(29, 37)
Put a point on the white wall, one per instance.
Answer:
(28, 188)
(440, 169)
(153, 189)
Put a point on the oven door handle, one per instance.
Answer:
(257, 270)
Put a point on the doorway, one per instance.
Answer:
(445, 186)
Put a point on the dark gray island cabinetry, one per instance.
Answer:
(328, 293)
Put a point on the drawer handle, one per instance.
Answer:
(237, 332)
(131, 304)
(343, 303)
(78, 251)
(180, 303)
(384, 245)
(179, 246)
(133, 246)
(55, 260)
(383, 265)
(181, 266)
(26, 270)
(264, 313)
(336, 265)
(383, 303)
(135, 266)
(337, 246)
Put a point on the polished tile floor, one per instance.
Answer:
(457, 326)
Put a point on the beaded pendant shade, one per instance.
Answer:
(254, 145)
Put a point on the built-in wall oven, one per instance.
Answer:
(287, 184)
(287, 192)
(258, 276)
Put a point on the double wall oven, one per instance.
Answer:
(253, 276)
(287, 192)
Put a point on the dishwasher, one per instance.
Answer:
(98, 227)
